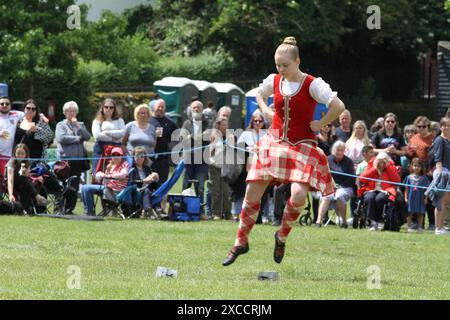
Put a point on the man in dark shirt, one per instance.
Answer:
(164, 127)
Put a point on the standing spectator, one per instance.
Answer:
(255, 130)
(220, 192)
(140, 132)
(408, 132)
(326, 138)
(420, 143)
(358, 140)
(415, 197)
(224, 112)
(70, 137)
(196, 168)
(441, 176)
(376, 126)
(108, 128)
(27, 130)
(344, 131)
(435, 128)
(210, 114)
(339, 163)
(390, 140)
(418, 146)
(8, 125)
(378, 193)
(368, 154)
(164, 127)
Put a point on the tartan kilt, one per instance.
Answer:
(279, 163)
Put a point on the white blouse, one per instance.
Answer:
(108, 131)
(319, 89)
(250, 137)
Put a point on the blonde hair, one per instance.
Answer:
(365, 139)
(139, 107)
(289, 46)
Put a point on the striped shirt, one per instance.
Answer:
(117, 176)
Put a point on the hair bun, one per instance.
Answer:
(290, 41)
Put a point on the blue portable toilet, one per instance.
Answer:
(231, 95)
(4, 89)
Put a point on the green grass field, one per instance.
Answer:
(118, 260)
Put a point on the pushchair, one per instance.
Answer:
(132, 197)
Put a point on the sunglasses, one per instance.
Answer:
(108, 107)
(390, 121)
(258, 121)
(5, 104)
(116, 155)
(422, 127)
(31, 109)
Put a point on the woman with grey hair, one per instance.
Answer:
(70, 136)
(339, 163)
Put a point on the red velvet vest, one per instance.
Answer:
(294, 113)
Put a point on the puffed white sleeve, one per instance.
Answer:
(266, 87)
(321, 91)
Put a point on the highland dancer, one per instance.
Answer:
(289, 152)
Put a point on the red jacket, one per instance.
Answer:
(389, 174)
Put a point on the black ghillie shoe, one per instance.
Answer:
(278, 252)
(234, 253)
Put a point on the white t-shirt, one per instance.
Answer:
(319, 89)
(108, 131)
(9, 122)
(250, 137)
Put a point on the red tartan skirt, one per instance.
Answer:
(280, 163)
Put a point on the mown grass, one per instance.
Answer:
(118, 260)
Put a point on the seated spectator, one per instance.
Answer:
(20, 187)
(115, 178)
(141, 175)
(339, 163)
(378, 193)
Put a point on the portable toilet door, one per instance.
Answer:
(207, 92)
(231, 95)
(177, 92)
(3, 90)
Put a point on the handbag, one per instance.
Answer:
(44, 133)
(62, 170)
